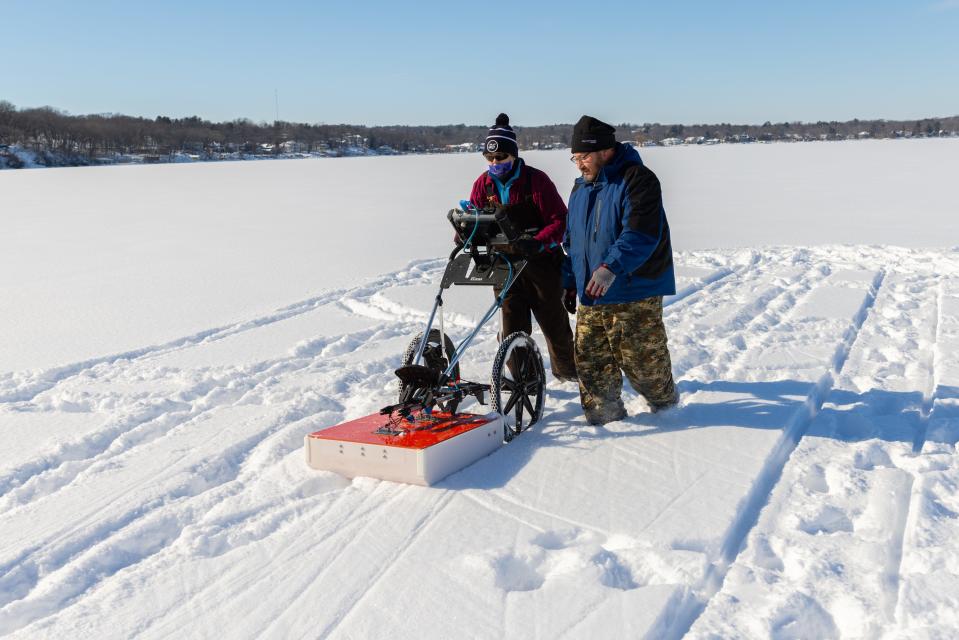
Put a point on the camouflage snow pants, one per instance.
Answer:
(628, 337)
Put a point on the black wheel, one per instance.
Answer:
(518, 387)
(434, 359)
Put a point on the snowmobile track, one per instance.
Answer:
(699, 597)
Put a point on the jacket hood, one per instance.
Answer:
(626, 154)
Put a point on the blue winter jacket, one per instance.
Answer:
(619, 220)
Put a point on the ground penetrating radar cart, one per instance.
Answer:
(422, 438)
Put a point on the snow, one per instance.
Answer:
(171, 332)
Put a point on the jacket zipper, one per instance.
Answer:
(599, 216)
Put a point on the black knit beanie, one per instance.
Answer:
(501, 137)
(590, 134)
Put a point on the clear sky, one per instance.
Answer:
(426, 62)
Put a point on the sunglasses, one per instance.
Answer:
(495, 157)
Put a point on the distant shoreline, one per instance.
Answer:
(14, 157)
(48, 137)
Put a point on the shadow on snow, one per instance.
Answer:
(892, 416)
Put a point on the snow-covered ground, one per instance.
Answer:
(168, 334)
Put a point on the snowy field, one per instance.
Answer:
(168, 334)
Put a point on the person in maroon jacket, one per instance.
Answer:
(528, 194)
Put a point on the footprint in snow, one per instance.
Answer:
(871, 457)
(802, 617)
(814, 479)
(557, 555)
(829, 520)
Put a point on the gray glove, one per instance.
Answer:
(599, 284)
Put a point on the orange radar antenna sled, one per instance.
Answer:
(422, 438)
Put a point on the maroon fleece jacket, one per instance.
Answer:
(531, 182)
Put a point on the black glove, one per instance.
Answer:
(569, 300)
(527, 245)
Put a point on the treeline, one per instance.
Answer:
(85, 137)
(834, 130)
(48, 129)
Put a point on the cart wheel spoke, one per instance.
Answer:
(513, 397)
(528, 365)
(528, 405)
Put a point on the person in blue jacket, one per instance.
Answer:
(619, 265)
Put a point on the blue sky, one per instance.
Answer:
(370, 62)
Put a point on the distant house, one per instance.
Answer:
(354, 140)
(671, 142)
(292, 146)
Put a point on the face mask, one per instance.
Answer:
(500, 169)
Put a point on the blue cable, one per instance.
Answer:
(466, 209)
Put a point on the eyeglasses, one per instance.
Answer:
(495, 157)
(581, 157)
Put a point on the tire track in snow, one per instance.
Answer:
(25, 387)
(330, 533)
(843, 496)
(676, 622)
(359, 592)
(720, 279)
(53, 573)
(21, 575)
(105, 536)
(907, 521)
(758, 318)
(421, 525)
(53, 470)
(926, 599)
(89, 448)
(160, 525)
(264, 371)
(930, 393)
(491, 505)
(709, 281)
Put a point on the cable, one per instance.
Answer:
(467, 246)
